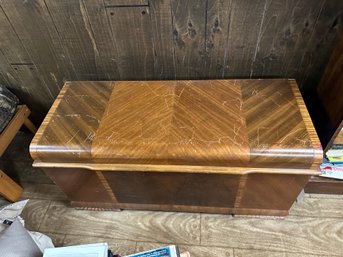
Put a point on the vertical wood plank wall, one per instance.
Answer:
(46, 42)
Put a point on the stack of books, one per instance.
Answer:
(101, 250)
(335, 154)
(332, 167)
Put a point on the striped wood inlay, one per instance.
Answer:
(69, 129)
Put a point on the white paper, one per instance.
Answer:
(88, 250)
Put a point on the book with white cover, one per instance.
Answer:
(167, 251)
(330, 170)
(87, 250)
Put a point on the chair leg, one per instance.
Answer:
(30, 126)
(8, 188)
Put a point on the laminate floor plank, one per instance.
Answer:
(130, 225)
(56, 238)
(263, 253)
(195, 250)
(318, 207)
(325, 196)
(296, 234)
(43, 191)
(34, 213)
(124, 247)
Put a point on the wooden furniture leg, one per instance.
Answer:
(13, 127)
(8, 188)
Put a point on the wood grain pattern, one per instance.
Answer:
(77, 112)
(7, 135)
(34, 213)
(189, 24)
(43, 191)
(161, 22)
(41, 32)
(300, 29)
(99, 31)
(239, 57)
(317, 147)
(128, 3)
(318, 207)
(138, 225)
(20, 73)
(292, 27)
(205, 190)
(174, 40)
(135, 57)
(327, 31)
(331, 85)
(321, 185)
(75, 40)
(262, 191)
(263, 253)
(218, 18)
(124, 247)
(198, 146)
(82, 232)
(82, 186)
(10, 45)
(274, 235)
(57, 239)
(8, 188)
(224, 112)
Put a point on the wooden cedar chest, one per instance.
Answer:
(218, 146)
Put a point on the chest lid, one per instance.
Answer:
(224, 123)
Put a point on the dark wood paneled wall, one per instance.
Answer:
(46, 42)
(330, 88)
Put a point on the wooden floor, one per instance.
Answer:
(313, 228)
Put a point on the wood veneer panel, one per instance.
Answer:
(276, 129)
(71, 123)
(234, 121)
(276, 192)
(207, 190)
(254, 123)
(321, 185)
(82, 186)
(199, 146)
